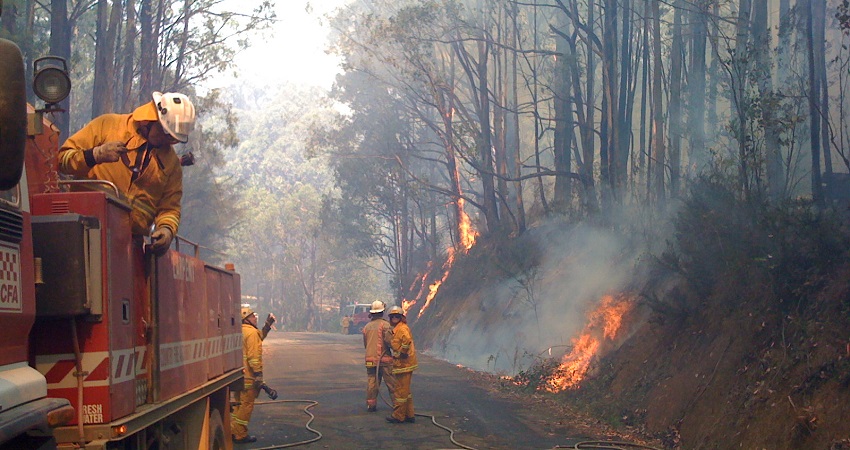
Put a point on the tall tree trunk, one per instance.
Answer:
(645, 146)
(177, 84)
(819, 42)
(658, 144)
(676, 100)
(147, 49)
(697, 154)
(103, 86)
(589, 144)
(609, 128)
(625, 103)
(491, 209)
(772, 151)
(512, 139)
(131, 34)
(814, 96)
(740, 74)
(711, 120)
(535, 102)
(563, 136)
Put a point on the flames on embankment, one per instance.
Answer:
(467, 239)
(604, 331)
(578, 266)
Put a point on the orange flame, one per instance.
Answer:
(600, 334)
(467, 236)
(466, 232)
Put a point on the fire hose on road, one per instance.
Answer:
(318, 434)
(584, 445)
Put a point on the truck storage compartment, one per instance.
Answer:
(69, 248)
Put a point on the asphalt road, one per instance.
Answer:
(328, 369)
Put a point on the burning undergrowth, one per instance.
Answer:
(608, 325)
(554, 292)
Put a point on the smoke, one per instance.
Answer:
(504, 327)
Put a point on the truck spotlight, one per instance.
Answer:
(51, 82)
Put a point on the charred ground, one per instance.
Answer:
(740, 337)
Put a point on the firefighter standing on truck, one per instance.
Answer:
(377, 336)
(134, 152)
(252, 348)
(404, 363)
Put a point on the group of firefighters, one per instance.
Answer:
(135, 153)
(390, 357)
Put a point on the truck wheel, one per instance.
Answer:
(216, 431)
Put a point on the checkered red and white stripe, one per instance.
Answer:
(10, 279)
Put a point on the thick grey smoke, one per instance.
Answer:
(507, 325)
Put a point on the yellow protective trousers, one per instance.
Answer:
(373, 383)
(403, 398)
(242, 414)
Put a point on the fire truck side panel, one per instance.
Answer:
(215, 323)
(17, 308)
(183, 314)
(107, 340)
(232, 296)
(224, 322)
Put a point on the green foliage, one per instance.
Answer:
(807, 247)
(715, 234)
(722, 240)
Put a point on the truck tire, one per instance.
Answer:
(217, 437)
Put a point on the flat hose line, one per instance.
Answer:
(318, 434)
(584, 445)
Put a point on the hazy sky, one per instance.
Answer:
(294, 50)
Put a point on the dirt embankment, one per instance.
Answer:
(749, 360)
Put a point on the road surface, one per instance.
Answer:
(328, 369)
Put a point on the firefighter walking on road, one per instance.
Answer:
(404, 363)
(252, 346)
(377, 336)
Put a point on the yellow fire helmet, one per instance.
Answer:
(247, 312)
(396, 310)
(377, 307)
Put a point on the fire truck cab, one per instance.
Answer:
(359, 313)
(105, 346)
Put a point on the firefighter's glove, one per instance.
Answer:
(108, 152)
(258, 379)
(402, 355)
(161, 240)
(270, 319)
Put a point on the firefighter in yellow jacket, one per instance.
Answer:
(134, 152)
(404, 363)
(252, 346)
(377, 335)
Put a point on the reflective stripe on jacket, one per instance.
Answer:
(377, 335)
(403, 343)
(156, 193)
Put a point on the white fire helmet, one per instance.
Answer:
(176, 114)
(247, 311)
(377, 307)
(396, 310)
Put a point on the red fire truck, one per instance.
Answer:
(104, 346)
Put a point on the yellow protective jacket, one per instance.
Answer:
(155, 195)
(402, 343)
(377, 335)
(252, 351)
